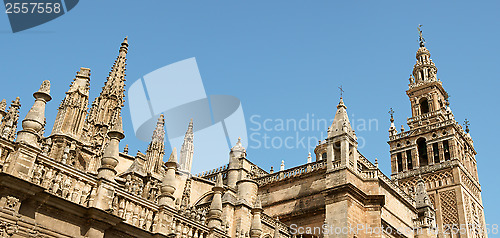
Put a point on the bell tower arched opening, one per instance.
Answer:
(422, 152)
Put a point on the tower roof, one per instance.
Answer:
(341, 123)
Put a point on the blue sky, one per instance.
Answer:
(283, 60)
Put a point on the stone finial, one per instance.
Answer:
(3, 105)
(256, 225)
(215, 213)
(309, 158)
(169, 181)
(45, 87)
(125, 149)
(376, 162)
(110, 156)
(282, 166)
(392, 129)
(238, 151)
(34, 122)
(402, 128)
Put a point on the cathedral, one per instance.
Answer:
(75, 181)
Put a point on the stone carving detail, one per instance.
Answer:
(65, 185)
(433, 199)
(7, 229)
(11, 202)
(449, 208)
(470, 185)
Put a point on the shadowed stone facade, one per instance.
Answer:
(76, 183)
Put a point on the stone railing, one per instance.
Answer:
(211, 175)
(292, 172)
(424, 116)
(134, 211)
(64, 181)
(401, 135)
(283, 228)
(369, 174)
(81, 188)
(256, 171)
(336, 165)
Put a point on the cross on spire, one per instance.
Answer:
(341, 91)
(466, 124)
(392, 114)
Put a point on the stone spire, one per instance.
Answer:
(187, 149)
(9, 121)
(72, 111)
(111, 153)
(156, 148)
(215, 213)
(169, 183)
(106, 108)
(34, 122)
(341, 124)
(186, 194)
(256, 225)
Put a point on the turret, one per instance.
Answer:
(237, 153)
(34, 122)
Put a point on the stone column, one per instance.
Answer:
(405, 161)
(430, 154)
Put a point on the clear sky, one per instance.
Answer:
(283, 60)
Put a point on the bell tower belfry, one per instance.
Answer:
(437, 150)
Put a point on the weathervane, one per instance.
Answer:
(466, 124)
(341, 91)
(421, 38)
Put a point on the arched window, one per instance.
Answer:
(323, 156)
(422, 152)
(424, 106)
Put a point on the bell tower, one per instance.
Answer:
(437, 150)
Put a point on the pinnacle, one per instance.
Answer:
(173, 156)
